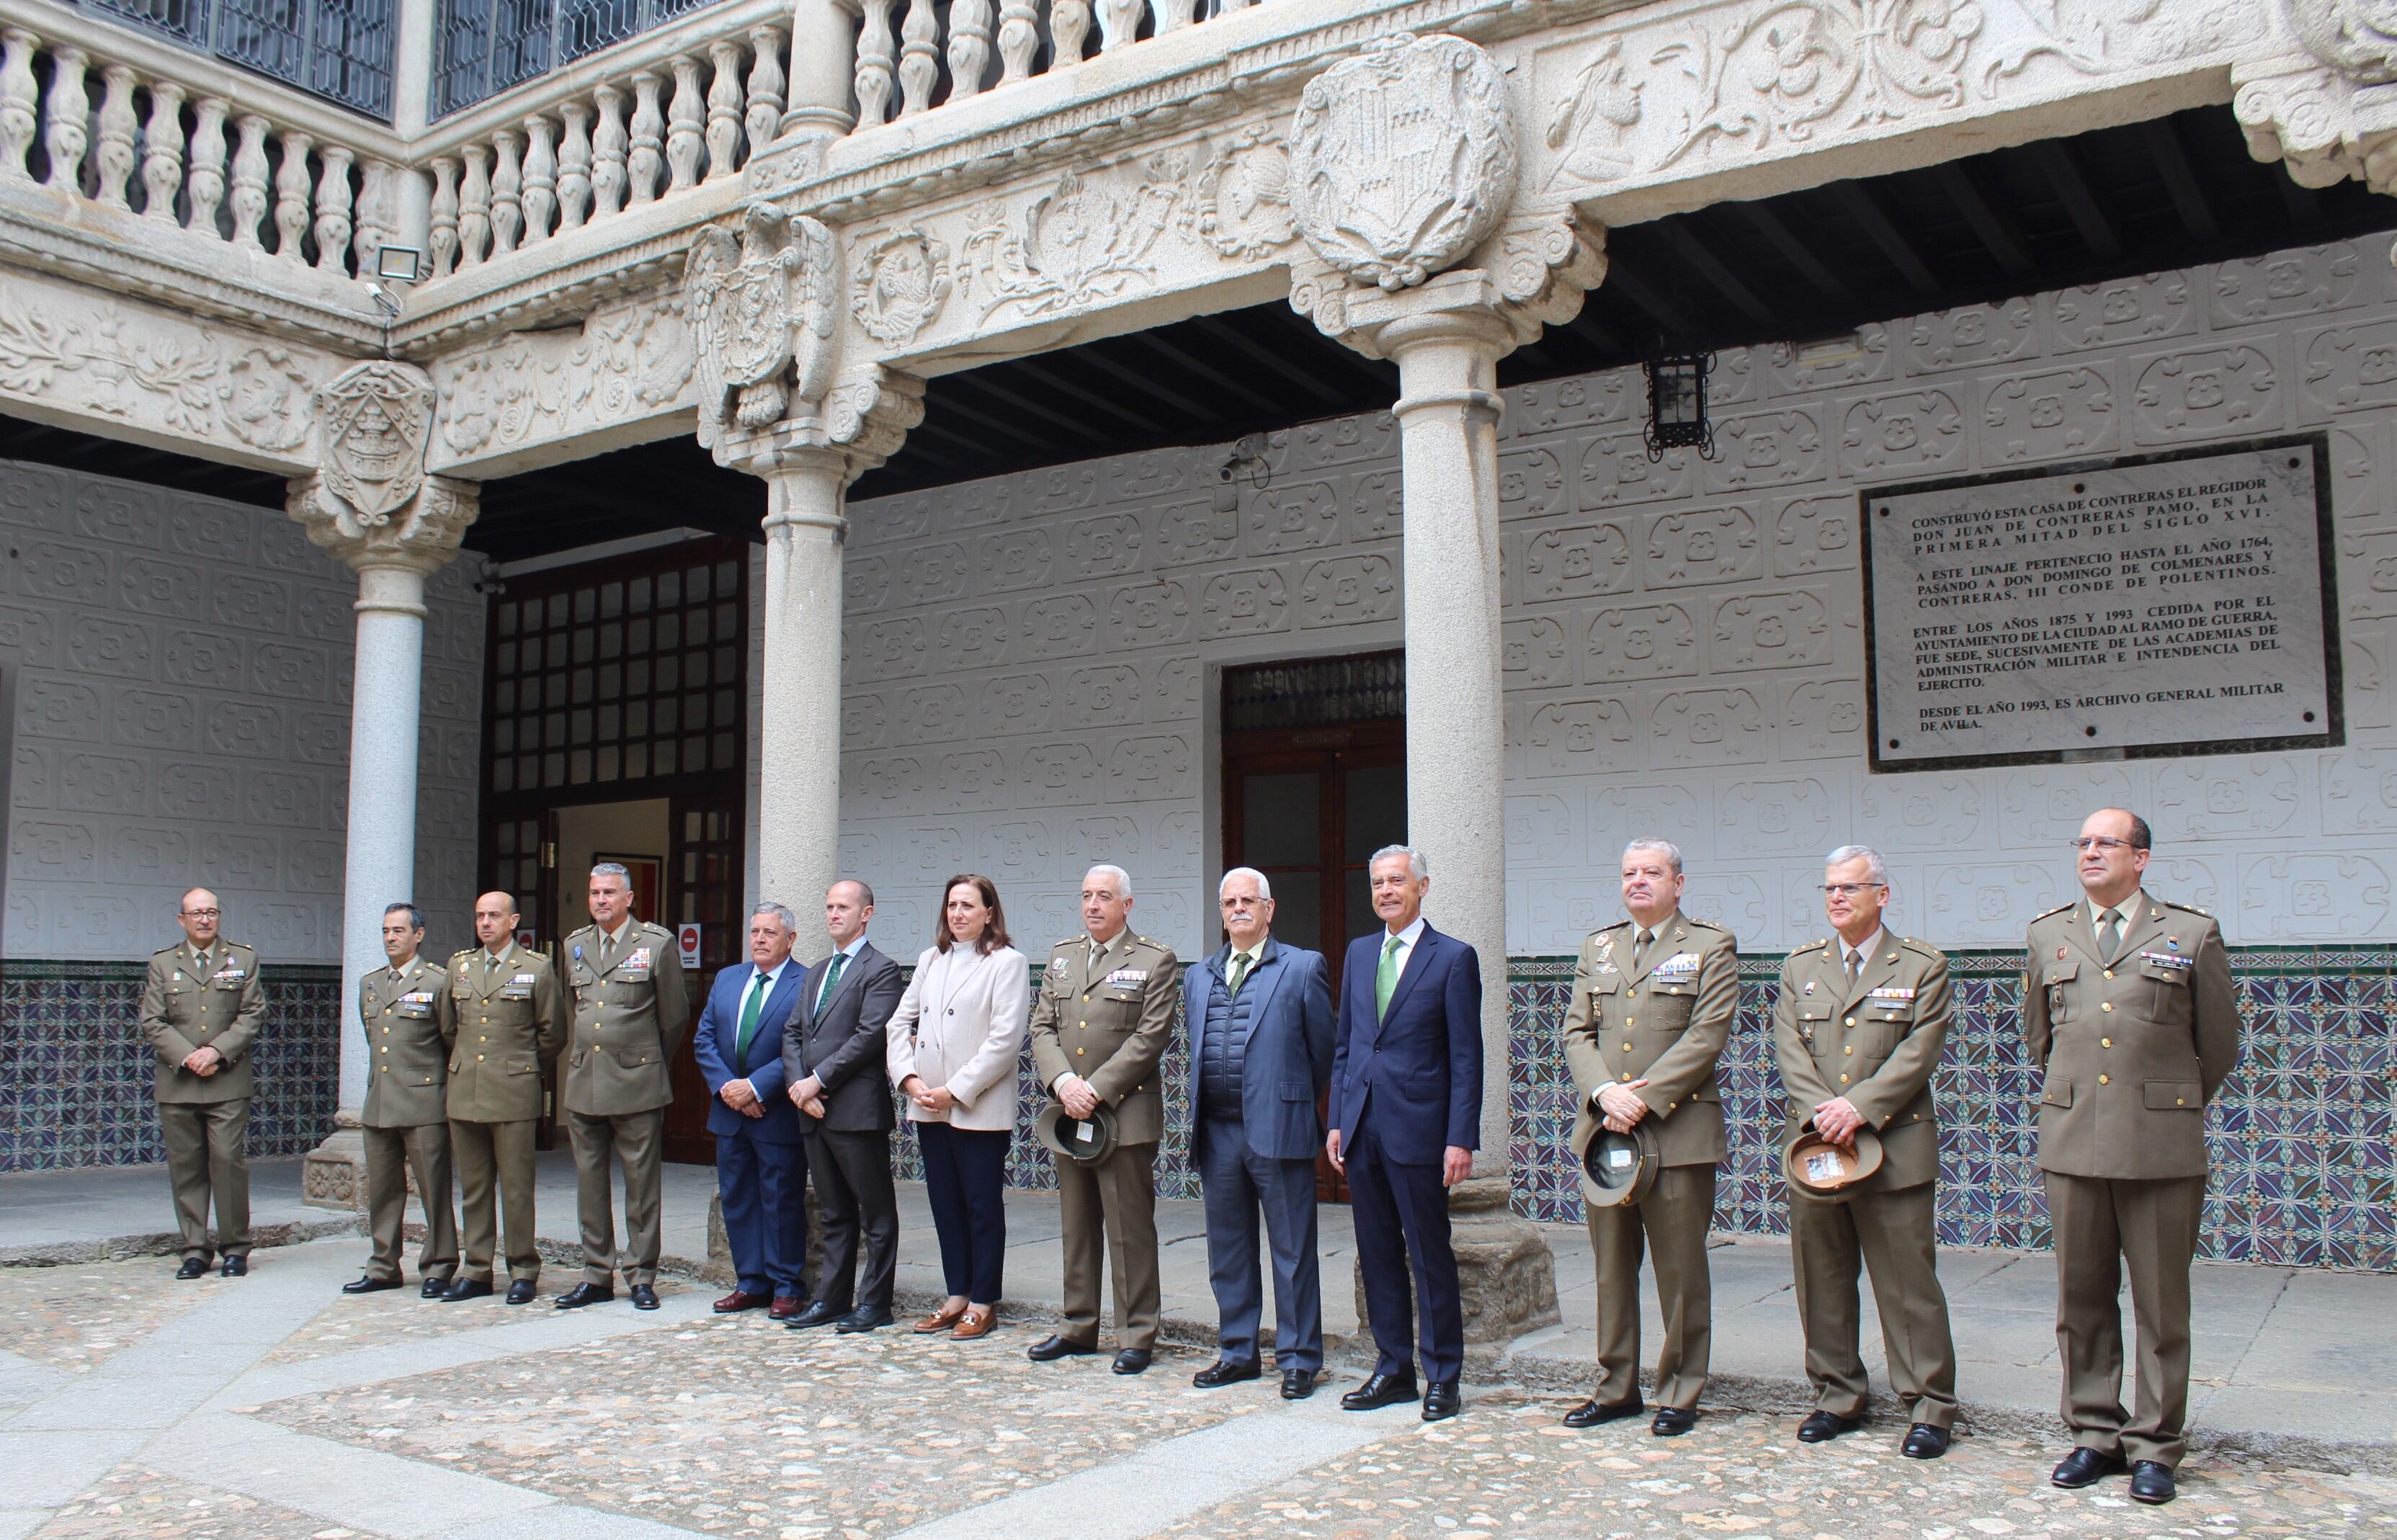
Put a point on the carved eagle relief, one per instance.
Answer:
(762, 308)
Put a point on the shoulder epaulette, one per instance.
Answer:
(1922, 946)
(1811, 945)
(1067, 941)
(2185, 909)
(1706, 924)
(2057, 910)
(164, 950)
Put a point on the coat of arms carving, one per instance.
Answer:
(372, 422)
(1403, 158)
(761, 307)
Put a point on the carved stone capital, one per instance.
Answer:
(418, 537)
(2329, 110)
(1532, 272)
(861, 422)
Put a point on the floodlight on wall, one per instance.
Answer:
(399, 263)
(1677, 406)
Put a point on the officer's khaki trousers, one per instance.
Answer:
(391, 1155)
(1116, 1199)
(208, 1157)
(1895, 1235)
(2100, 1225)
(1672, 1221)
(496, 1155)
(638, 1140)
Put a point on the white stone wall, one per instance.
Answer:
(1029, 690)
(183, 717)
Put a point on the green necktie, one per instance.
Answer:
(831, 979)
(1241, 962)
(1385, 977)
(750, 1010)
(2110, 933)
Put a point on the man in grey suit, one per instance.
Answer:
(833, 1056)
(1260, 1016)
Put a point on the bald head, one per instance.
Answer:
(199, 913)
(495, 920)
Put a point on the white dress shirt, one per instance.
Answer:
(1407, 939)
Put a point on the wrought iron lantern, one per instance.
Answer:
(1677, 406)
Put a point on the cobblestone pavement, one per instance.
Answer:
(134, 1503)
(401, 1315)
(80, 1316)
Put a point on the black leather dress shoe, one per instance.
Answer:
(644, 1297)
(524, 1291)
(435, 1287)
(1671, 1422)
(1442, 1402)
(369, 1285)
(1823, 1427)
(1219, 1374)
(1592, 1413)
(585, 1294)
(235, 1266)
(865, 1317)
(468, 1288)
(817, 1313)
(193, 1266)
(1297, 1383)
(2151, 1482)
(1131, 1361)
(2084, 1466)
(1053, 1348)
(1381, 1391)
(1924, 1442)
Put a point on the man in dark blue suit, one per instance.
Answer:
(1406, 1117)
(1260, 1016)
(761, 1162)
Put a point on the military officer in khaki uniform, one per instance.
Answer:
(1100, 1026)
(409, 1019)
(1654, 998)
(2128, 1009)
(631, 1009)
(201, 1009)
(1857, 1032)
(507, 1015)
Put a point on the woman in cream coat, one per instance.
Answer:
(954, 1043)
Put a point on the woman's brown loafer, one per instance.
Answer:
(942, 1319)
(978, 1321)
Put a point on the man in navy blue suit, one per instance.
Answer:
(1260, 1016)
(761, 1163)
(1406, 1117)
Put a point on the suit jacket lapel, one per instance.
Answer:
(2082, 932)
(1418, 958)
(1263, 981)
(1879, 964)
(1670, 933)
(2143, 921)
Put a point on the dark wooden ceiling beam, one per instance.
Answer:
(1760, 217)
(1148, 384)
(1049, 379)
(1181, 359)
(1625, 280)
(2188, 200)
(1281, 363)
(2055, 160)
(1686, 245)
(991, 393)
(1995, 230)
(1864, 208)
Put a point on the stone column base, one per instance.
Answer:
(1506, 1275)
(335, 1173)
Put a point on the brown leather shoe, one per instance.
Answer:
(942, 1319)
(737, 1300)
(786, 1307)
(979, 1320)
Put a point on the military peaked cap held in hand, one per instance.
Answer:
(1087, 1140)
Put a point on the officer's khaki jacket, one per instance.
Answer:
(2132, 1054)
(1876, 1043)
(629, 1018)
(505, 1017)
(183, 1012)
(1665, 1023)
(1110, 1025)
(409, 1019)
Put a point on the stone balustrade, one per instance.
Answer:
(990, 46)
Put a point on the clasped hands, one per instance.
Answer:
(1838, 1121)
(204, 1062)
(808, 1096)
(935, 1099)
(1075, 1095)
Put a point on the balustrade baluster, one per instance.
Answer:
(378, 216)
(723, 109)
(161, 152)
(1172, 15)
(333, 221)
(764, 117)
(249, 182)
(539, 177)
(443, 232)
(203, 177)
(19, 101)
(969, 46)
(291, 192)
(685, 115)
(1069, 22)
(608, 150)
(507, 184)
(875, 47)
(475, 208)
(65, 135)
(1119, 24)
(641, 166)
(574, 167)
(920, 58)
(1019, 39)
(116, 127)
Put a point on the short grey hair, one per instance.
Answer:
(1265, 889)
(415, 914)
(614, 868)
(1670, 852)
(779, 911)
(1122, 879)
(1417, 868)
(1875, 866)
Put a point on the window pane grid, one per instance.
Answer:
(487, 45)
(339, 49)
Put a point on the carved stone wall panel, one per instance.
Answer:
(1578, 562)
(1772, 448)
(934, 572)
(2000, 333)
(2124, 310)
(1348, 591)
(2284, 284)
(1915, 433)
(1616, 470)
(2348, 369)
(1536, 653)
(1823, 719)
(1640, 642)
(1300, 515)
(1918, 812)
(1578, 738)
(1532, 483)
(627, 375)
(2056, 415)
(2229, 392)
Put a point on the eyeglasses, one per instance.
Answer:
(203, 914)
(2099, 842)
(1849, 890)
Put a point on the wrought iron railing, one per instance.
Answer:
(484, 47)
(342, 50)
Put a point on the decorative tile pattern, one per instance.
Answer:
(75, 1075)
(2301, 1135)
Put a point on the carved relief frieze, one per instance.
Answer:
(1088, 239)
(902, 282)
(761, 306)
(629, 362)
(1240, 203)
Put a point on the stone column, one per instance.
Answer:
(372, 505)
